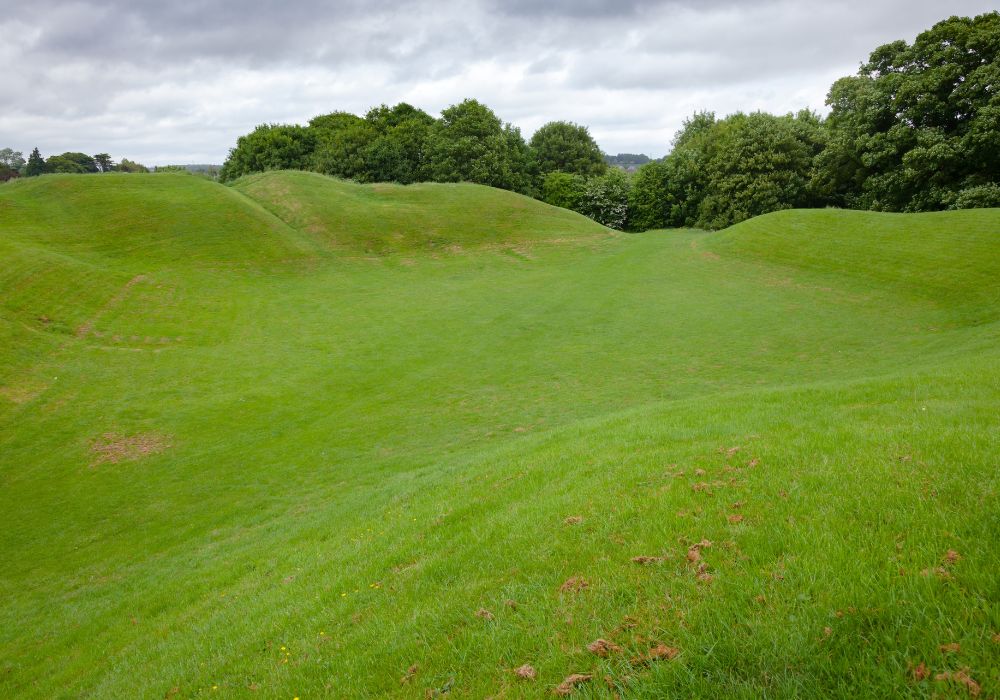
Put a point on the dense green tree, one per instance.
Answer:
(758, 163)
(399, 150)
(326, 125)
(568, 148)
(563, 189)
(104, 162)
(977, 197)
(85, 161)
(13, 160)
(270, 147)
(471, 144)
(388, 145)
(684, 175)
(35, 165)
(342, 140)
(58, 164)
(650, 198)
(72, 163)
(129, 166)
(920, 123)
(724, 171)
(694, 130)
(62, 165)
(384, 118)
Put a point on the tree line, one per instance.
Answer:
(916, 129)
(404, 144)
(13, 164)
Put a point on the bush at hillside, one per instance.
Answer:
(605, 199)
(563, 190)
(270, 147)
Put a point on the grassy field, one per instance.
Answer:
(299, 438)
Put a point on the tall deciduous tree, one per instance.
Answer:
(722, 172)
(758, 163)
(685, 178)
(270, 147)
(920, 123)
(11, 158)
(650, 198)
(71, 162)
(342, 140)
(471, 144)
(399, 150)
(568, 148)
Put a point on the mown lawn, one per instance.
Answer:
(267, 441)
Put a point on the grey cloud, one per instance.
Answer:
(180, 80)
(597, 9)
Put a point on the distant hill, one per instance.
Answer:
(628, 162)
(207, 169)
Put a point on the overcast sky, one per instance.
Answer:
(177, 81)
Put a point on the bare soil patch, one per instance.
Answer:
(112, 448)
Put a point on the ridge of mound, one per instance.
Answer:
(153, 219)
(384, 218)
(950, 257)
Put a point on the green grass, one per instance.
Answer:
(376, 406)
(395, 219)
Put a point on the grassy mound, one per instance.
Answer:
(236, 461)
(149, 219)
(948, 257)
(388, 218)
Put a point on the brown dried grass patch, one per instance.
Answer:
(571, 681)
(603, 648)
(112, 448)
(21, 393)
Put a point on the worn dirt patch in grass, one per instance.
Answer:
(21, 393)
(573, 680)
(112, 448)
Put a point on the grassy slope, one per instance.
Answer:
(388, 218)
(366, 452)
